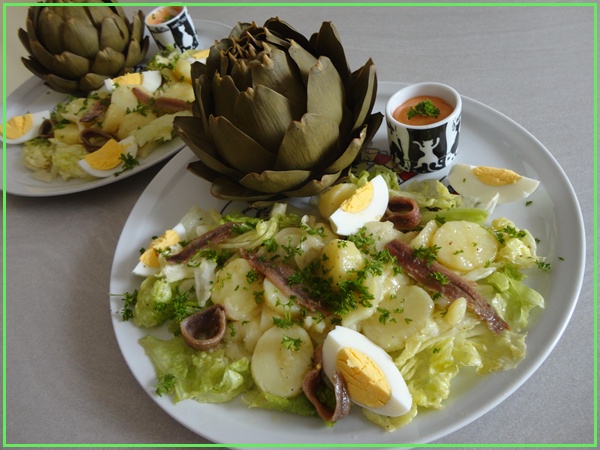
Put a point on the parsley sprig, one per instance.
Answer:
(425, 108)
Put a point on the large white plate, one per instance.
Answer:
(34, 96)
(489, 138)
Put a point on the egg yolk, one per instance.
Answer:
(17, 126)
(106, 157)
(494, 176)
(365, 380)
(150, 256)
(360, 200)
(130, 78)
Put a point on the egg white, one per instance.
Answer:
(143, 270)
(466, 183)
(151, 81)
(130, 147)
(340, 337)
(38, 118)
(346, 223)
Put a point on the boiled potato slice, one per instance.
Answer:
(281, 359)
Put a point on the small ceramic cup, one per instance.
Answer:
(424, 148)
(172, 25)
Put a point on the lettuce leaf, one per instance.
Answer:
(296, 405)
(153, 298)
(208, 377)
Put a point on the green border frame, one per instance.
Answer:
(5, 444)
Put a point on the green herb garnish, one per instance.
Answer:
(425, 108)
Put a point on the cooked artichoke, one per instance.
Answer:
(75, 48)
(276, 114)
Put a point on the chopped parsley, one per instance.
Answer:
(291, 343)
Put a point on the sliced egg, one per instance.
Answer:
(149, 80)
(106, 161)
(484, 183)
(373, 380)
(367, 204)
(148, 263)
(23, 128)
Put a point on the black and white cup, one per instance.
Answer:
(172, 25)
(424, 148)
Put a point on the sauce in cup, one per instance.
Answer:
(402, 113)
(164, 14)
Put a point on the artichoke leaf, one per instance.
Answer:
(114, 34)
(74, 12)
(314, 187)
(227, 189)
(61, 84)
(98, 13)
(350, 154)
(108, 62)
(49, 31)
(225, 94)
(285, 30)
(274, 182)
(304, 59)
(276, 73)
(363, 92)
(308, 143)
(23, 37)
(202, 171)
(188, 130)
(91, 82)
(240, 73)
(264, 115)
(134, 53)
(276, 40)
(137, 26)
(237, 149)
(81, 37)
(326, 93)
(70, 65)
(43, 57)
(327, 42)
(204, 104)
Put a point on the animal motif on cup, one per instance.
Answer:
(427, 150)
(185, 35)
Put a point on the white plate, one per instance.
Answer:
(489, 138)
(34, 96)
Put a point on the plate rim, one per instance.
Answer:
(531, 362)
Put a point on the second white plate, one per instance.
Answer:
(34, 96)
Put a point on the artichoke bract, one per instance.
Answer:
(278, 115)
(75, 48)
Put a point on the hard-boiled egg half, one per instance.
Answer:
(373, 380)
(367, 204)
(484, 183)
(107, 160)
(23, 128)
(149, 80)
(148, 263)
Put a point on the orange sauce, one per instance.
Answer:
(401, 112)
(164, 14)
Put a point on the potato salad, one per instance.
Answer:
(333, 310)
(111, 129)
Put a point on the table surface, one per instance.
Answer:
(66, 381)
